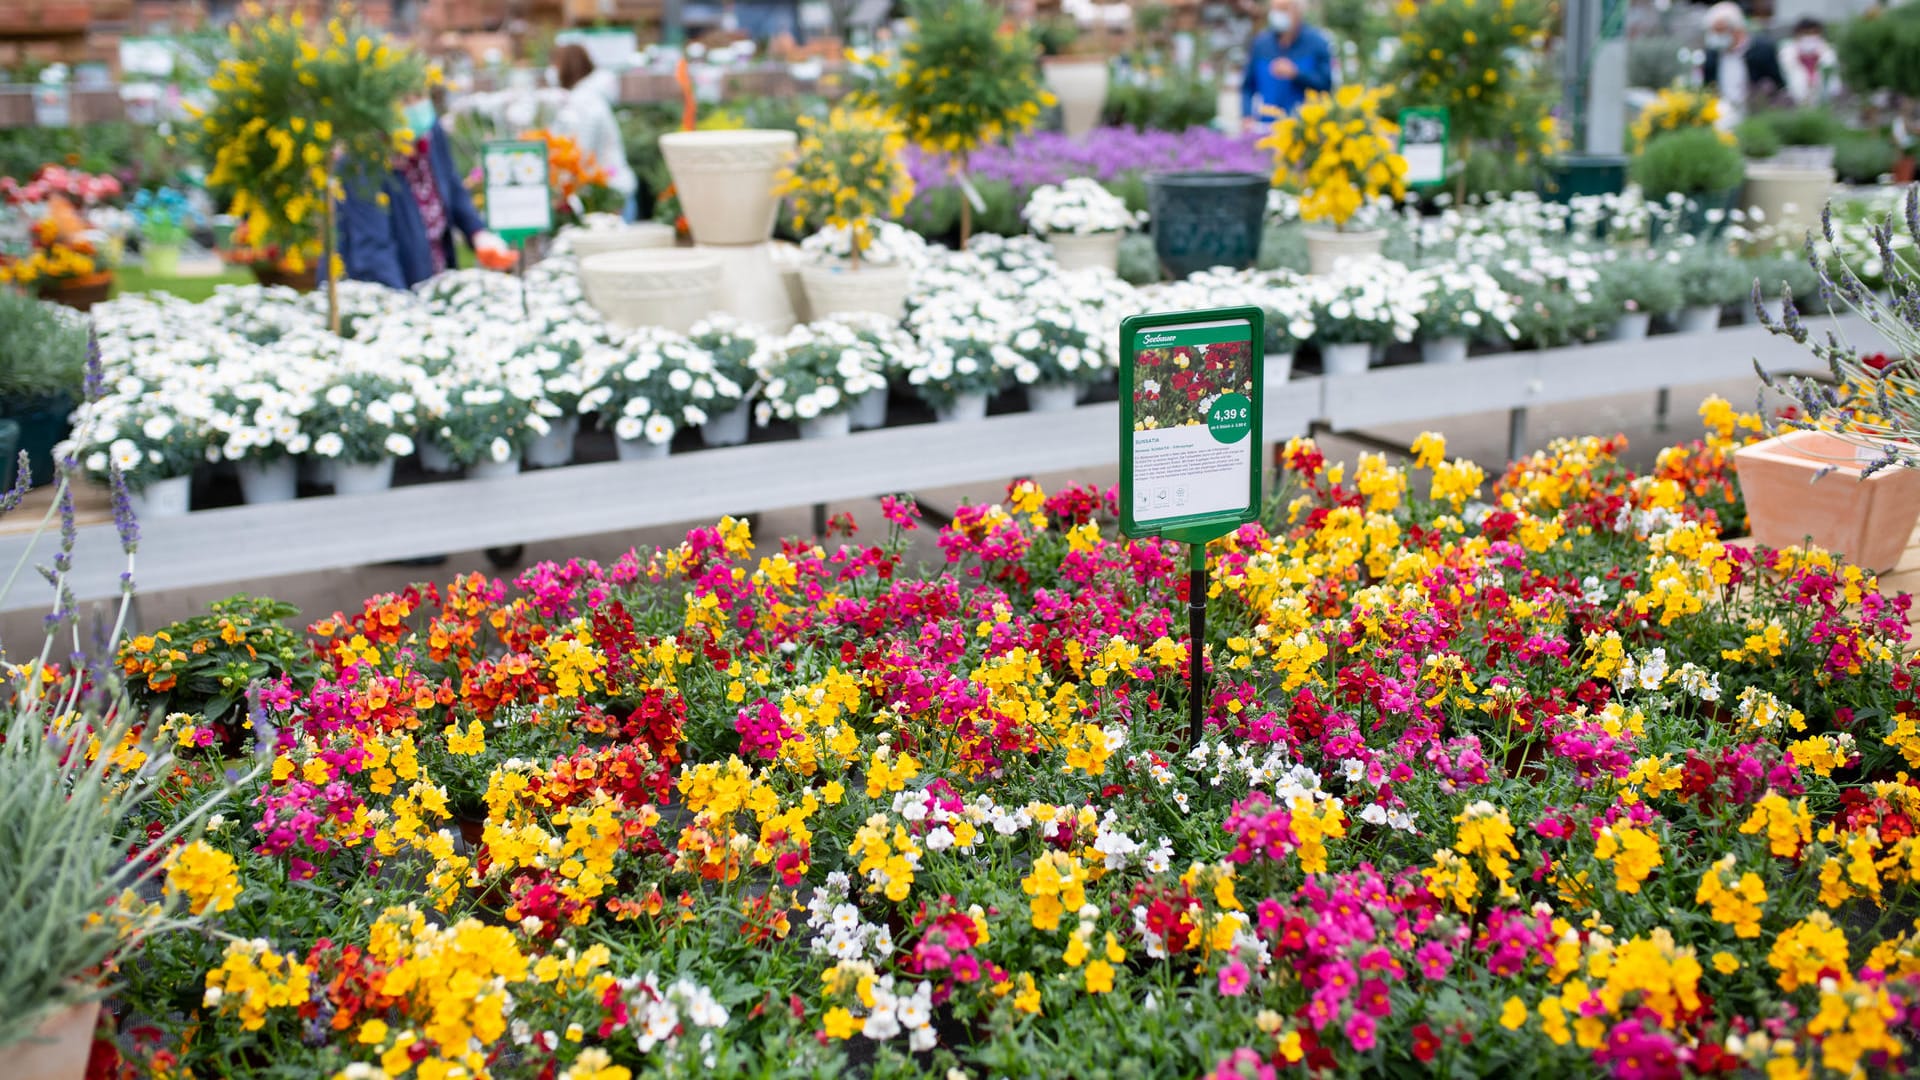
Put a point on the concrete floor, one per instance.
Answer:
(1481, 437)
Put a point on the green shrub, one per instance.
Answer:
(1880, 50)
(1657, 61)
(1695, 161)
(205, 664)
(1174, 102)
(45, 349)
(1757, 138)
(1862, 157)
(1804, 127)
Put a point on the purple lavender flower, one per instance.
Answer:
(124, 521)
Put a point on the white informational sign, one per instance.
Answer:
(52, 105)
(1423, 143)
(1189, 423)
(517, 200)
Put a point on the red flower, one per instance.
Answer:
(1425, 1043)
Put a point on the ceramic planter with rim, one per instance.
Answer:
(1698, 319)
(869, 410)
(669, 287)
(1790, 503)
(362, 478)
(725, 181)
(1053, 397)
(556, 446)
(831, 426)
(1326, 247)
(877, 290)
(1446, 350)
(1347, 358)
(962, 408)
(59, 1048)
(264, 482)
(163, 498)
(1081, 251)
(494, 470)
(729, 428)
(1790, 194)
(1631, 326)
(1080, 85)
(641, 449)
(1207, 219)
(637, 236)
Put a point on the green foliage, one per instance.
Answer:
(1173, 101)
(1710, 274)
(44, 346)
(203, 665)
(1758, 139)
(1692, 161)
(1863, 157)
(962, 79)
(1459, 56)
(1880, 50)
(1360, 23)
(1657, 61)
(141, 156)
(1638, 282)
(1813, 126)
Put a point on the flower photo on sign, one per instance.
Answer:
(1178, 386)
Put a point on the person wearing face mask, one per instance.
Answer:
(1739, 66)
(1809, 63)
(397, 229)
(1288, 59)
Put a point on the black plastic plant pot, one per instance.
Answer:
(1205, 219)
(1586, 174)
(42, 423)
(9, 451)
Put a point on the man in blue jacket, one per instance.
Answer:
(398, 229)
(1288, 59)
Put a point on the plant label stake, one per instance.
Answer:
(519, 204)
(1423, 143)
(1192, 388)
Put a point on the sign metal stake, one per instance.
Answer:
(1196, 640)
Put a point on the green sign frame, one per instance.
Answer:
(507, 179)
(1233, 417)
(1426, 127)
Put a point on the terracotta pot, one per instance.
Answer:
(299, 281)
(670, 287)
(1078, 251)
(59, 1048)
(1080, 84)
(725, 181)
(1869, 521)
(1326, 247)
(80, 294)
(878, 290)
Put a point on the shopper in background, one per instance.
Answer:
(1741, 67)
(1288, 59)
(587, 118)
(1810, 65)
(397, 230)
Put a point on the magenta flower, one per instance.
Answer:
(1234, 979)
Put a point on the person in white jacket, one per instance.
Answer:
(1809, 63)
(587, 118)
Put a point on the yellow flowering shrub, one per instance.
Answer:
(1339, 152)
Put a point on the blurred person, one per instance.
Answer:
(1740, 67)
(1808, 62)
(1288, 59)
(587, 118)
(397, 230)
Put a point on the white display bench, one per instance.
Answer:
(250, 543)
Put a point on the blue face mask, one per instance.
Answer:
(1280, 21)
(419, 116)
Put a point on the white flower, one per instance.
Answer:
(659, 429)
(499, 450)
(398, 445)
(157, 427)
(628, 428)
(338, 396)
(329, 445)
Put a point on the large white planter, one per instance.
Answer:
(1052, 397)
(641, 449)
(725, 181)
(494, 470)
(162, 498)
(1081, 251)
(1347, 359)
(962, 408)
(556, 446)
(1080, 84)
(263, 482)
(1700, 319)
(669, 287)
(877, 290)
(729, 428)
(1327, 247)
(788, 261)
(638, 236)
(434, 458)
(831, 426)
(869, 410)
(360, 478)
(1446, 350)
(1789, 196)
(1631, 326)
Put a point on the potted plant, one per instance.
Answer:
(1786, 189)
(483, 417)
(1711, 277)
(141, 438)
(363, 423)
(964, 78)
(1340, 154)
(1458, 303)
(964, 355)
(658, 383)
(738, 351)
(1075, 71)
(61, 267)
(846, 176)
(892, 350)
(1643, 285)
(46, 353)
(162, 217)
(1062, 347)
(814, 377)
(1699, 166)
(1081, 221)
(1365, 305)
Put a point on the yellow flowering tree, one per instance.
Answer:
(846, 172)
(1339, 152)
(295, 110)
(1482, 61)
(963, 79)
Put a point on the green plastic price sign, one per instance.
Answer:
(518, 203)
(1423, 143)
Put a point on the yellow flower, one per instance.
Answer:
(206, 876)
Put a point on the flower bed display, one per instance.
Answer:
(1519, 774)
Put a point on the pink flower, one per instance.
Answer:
(1360, 1031)
(1234, 979)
